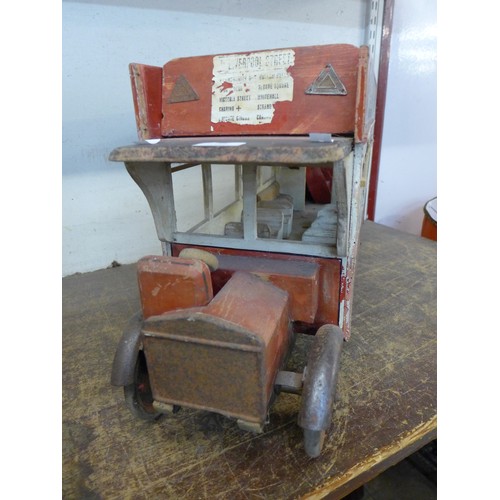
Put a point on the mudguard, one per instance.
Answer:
(320, 380)
(126, 353)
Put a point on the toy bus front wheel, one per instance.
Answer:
(320, 383)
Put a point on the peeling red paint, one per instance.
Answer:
(225, 86)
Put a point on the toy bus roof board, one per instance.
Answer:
(292, 91)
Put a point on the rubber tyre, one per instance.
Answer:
(195, 253)
(313, 442)
(138, 395)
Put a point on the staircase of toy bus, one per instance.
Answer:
(275, 218)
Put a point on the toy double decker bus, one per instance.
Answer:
(254, 166)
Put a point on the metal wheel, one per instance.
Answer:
(313, 442)
(318, 392)
(138, 395)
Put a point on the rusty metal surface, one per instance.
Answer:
(228, 381)
(287, 381)
(258, 150)
(320, 380)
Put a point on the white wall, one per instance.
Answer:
(407, 176)
(105, 215)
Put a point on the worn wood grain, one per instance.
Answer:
(146, 91)
(258, 150)
(385, 408)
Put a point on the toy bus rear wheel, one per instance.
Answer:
(138, 394)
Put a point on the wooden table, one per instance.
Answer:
(386, 407)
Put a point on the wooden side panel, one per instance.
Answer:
(301, 115)
(146, 90)
(167, 283)
(329, 277)
(299, 279)
(262, 308)
(365, 99)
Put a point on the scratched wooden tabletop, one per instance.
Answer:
(385, 408)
